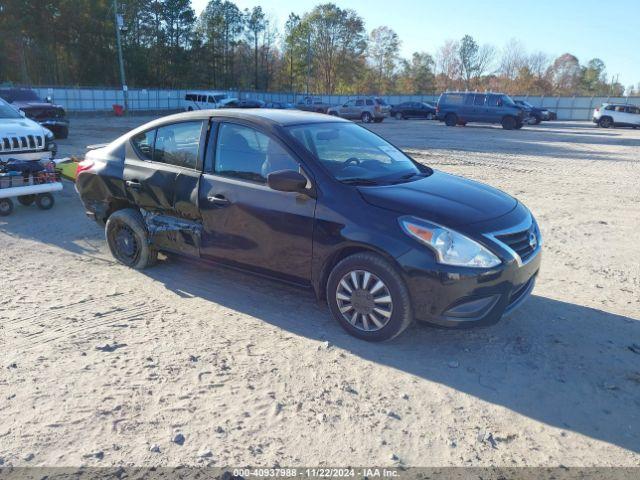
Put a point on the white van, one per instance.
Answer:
(204, 100)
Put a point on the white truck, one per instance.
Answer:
(26, 153)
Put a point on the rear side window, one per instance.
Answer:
(359, 103)
(178, 144)
(143, 144)
(245, 153)
(369, 102)
(634, 110)
(380, 101)
(454, 98)
(620, 108)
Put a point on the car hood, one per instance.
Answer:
(442, 198)
(13, 127)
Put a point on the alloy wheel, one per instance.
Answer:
(364, 300)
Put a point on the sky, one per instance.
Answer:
(609, 30)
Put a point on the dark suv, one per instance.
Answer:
(459, 108)
(50, 116)
(321, 202)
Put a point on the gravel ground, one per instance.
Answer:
(186, 364)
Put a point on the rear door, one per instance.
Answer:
(246, 223)
(162, 170)
(634, 115)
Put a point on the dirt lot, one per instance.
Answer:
(252, 372)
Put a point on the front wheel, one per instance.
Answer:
(366, 117)
(508, 123)
(369, 298)
(128, 239)
(6, 207)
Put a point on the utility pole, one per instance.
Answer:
(308, 59)
(123, 81)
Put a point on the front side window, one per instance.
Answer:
(245, 153)
(143, 144)
(494, 100)
(359, 103)
(369, 102)
(353, 153)
(178, 144)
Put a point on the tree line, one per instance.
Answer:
(326, 50)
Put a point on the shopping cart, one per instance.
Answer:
(29, 181)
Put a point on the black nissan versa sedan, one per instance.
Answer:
(321, 202)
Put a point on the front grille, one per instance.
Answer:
(22, 143)
(521, 242)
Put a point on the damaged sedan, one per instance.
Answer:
(321, 202)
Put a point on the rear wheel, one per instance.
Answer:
(128, 239)
(45, 201)
(451, 120)
(508, 123)
(366, 117)
(369, 298)
(6, 207)
(26, 200)
(605, 122)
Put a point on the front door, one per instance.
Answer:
(246, 223)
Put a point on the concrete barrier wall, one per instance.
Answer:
(102, 100)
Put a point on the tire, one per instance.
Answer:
(6, 207)
(128, 239)
(451, 120)
(519, 125)
(26, 200)
(605, 122)
(396, 315)
(509, 123)
(378, 120)
(366, 117)
(537, 120)
(399, 116)
(45, 201)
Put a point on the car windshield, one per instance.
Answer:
(353, 154)
(506, 100)
(7, 111)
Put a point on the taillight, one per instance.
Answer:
(597, 109)
(84, 165)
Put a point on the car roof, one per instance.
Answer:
(264, 116)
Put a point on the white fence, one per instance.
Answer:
(102, 100)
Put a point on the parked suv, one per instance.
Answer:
(321, 202)
(459, 108)
(616, 115)
(22, 138)
(369, 109)
(51, 116)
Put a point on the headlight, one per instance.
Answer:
(450, 247)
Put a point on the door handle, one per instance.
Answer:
(220, 200)
(133, 184)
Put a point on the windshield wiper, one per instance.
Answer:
(409, 176)
(359, 181)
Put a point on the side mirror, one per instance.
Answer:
(23, 113)
(287, 181)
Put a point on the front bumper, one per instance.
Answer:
(464, 297)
